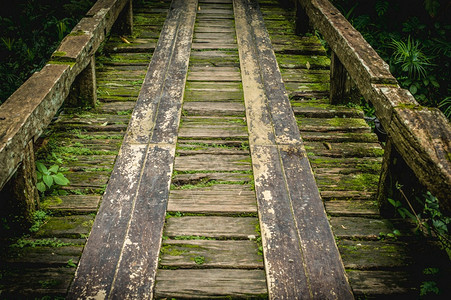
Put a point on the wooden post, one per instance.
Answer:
(303, 24)
(20, 196)
(340, 82)
(124, 23)
(395, 172)
(84, 89)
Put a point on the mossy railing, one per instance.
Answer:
(69, 74)
(420, 136)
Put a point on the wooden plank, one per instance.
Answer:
(214, 108)
(360, 227)
(286, 208)
(354, 207)
(142, 172)
(228, 254)
(219, 198)
(45, 256)
(194, 178)
(382, 284)
(365, 255)
(208, 284)
(212, 227)
(72, 203)
(222, 162)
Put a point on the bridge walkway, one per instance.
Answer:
(211, 242)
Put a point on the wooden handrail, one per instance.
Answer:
(421, 135)
(29, 110)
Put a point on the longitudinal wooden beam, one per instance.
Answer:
(121, 256)
(301, 258)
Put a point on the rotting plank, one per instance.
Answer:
(230, 254)
(143, 170)
(278, 156)
(209, 284)
(219, 199)
(212, 227)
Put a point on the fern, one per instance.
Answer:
(381, 7)
(445, 106)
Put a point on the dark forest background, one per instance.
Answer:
(30, 30)
(413, 36)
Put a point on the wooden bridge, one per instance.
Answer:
(214, 156)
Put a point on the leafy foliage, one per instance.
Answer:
(414, 41)
(430, 221)
(30, 30)
(49, 178)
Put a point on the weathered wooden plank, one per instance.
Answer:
(349, 149)
(25, 282)
(195, 178)
(352, 207)
(208, 284)
(72, 203)
(228, 254)
(359, 227)
(108, 267)
(218, 132)
(207, 96)
(222, 162)
(277, 177)
(212, 227)
(382, 284)
(219, 198)
(364, 255)
(45, 256)
(214, 75)
(204, 46)
(333, 124)
(214, 108)
(66, 227)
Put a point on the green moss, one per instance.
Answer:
(57, 62)
(50, 201)
(347, 122)
(172, 250)
(410, 106)
(59, 53)
(77, 33)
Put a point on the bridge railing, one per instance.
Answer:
(420, 136)
(68, 76)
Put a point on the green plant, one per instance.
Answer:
(445, 106)
(429, 287)
(410, 57)
(71, 264)
(48, 178)
(39, 218)
(199, 260)
(430, 222)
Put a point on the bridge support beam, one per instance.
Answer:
(342, 89)
(302, 21)
(397, 182)
(124, 24)
(20, 196)
(84, 89)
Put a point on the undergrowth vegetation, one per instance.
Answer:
(414, 38)
(30, 30)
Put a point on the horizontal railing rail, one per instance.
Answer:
(30, 109)
(421, 135)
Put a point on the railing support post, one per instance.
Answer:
(124, 24)
(303, 24)
(396, 176)
(343, 90)
(84, 89)
(20, 195)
